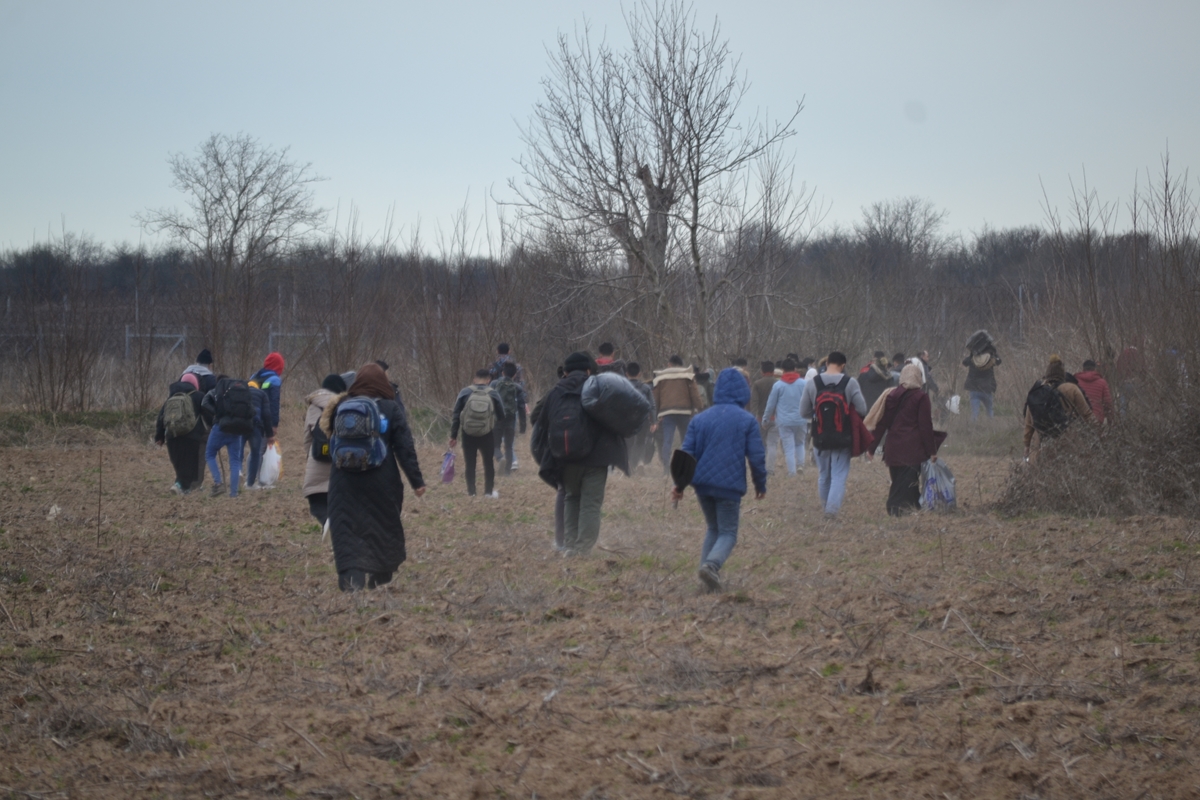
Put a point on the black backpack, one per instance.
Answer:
(832, 429)
(320, 445)
(1046, 408)
(569, 428)
(235, 408)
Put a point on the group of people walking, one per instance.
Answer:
(600, 416)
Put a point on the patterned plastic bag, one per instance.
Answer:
(448, 467)
(937, 487)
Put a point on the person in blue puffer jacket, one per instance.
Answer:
(722, 439)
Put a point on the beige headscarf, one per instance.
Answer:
(910, 378)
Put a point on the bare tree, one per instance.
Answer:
(246, 205)
(630, 144)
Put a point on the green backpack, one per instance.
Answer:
(179, 415)
(507, 389)
(478, 414)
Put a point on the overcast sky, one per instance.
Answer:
(415, 106)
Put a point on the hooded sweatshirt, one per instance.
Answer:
(783, 404)
(1096, 390)
(723, 438)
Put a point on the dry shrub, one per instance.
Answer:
(1143, 465)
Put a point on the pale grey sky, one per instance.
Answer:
(415, 105)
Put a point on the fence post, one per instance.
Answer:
(126, 342)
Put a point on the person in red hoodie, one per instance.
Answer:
(1095, 389)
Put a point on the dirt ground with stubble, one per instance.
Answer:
(199, 647)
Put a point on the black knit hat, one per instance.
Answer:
(205, 357)
(580, 360)
(334, 383)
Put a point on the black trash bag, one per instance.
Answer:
(615, 403)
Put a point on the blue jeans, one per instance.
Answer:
(670, 423)
(984, 399)
(722, 517)
(791, 438)
(255, 440)
(834, 466)
(217, 439)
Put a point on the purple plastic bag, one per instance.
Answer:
(448, 467)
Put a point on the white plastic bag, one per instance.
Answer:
(271, 468)
(953, 404)
(937, 487)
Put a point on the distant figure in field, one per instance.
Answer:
(677, 398)
(607, 354)
(180, 426)
(831, 401)
(317, 462)
(477, 410)
(760, 392)
(876, 378)
(783, 410)
(1095, 389)
(268, 380)
(503, 356)
(1052, 406)
(641, 444)
(515, 403)
(981, 366)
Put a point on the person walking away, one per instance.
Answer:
(906, 416)
(831, 401)
(318, 462)
(262, 433)
(876, 379)
(677, 398)
(760, 391)
(1053, 405)
(202, 369)
(981, 373)
(1130, 374)
(723, 439)
(370, 444)
(607, 354)
(478, 409)
(1095, 389)
(230, 409)
(268, 379)
(640, 446)
(180, 426)
(783, 411)
(577, 453)
(512, 394)
(503, 356)
(538, 446)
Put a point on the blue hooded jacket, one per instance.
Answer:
(722, 438)
(269, 382)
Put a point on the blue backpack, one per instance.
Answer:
(357, 444)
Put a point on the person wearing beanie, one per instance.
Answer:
(677, 396)
(268, 379)
(582, 475)
(202, 369)
(317, 464)
(1040, 413)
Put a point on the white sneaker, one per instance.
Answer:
(493, 496)
(514, 464)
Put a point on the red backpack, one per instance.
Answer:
(832, 429)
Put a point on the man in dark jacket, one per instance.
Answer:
(515, 401)
(477, 442)
(186, 451)
(722, 439)
(223, 433)
(583, 477)
(640, 446)
(263, 432)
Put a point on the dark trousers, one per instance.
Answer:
(504, 434)
(187, 456)
(255, 440)
(351, 580)
(318, 506)
(905, 494)
(485, 446)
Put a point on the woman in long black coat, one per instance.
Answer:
(364, 507)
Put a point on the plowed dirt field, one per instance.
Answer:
(198, 647)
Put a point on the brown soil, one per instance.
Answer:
(199, 646)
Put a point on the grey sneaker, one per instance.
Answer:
(178, 489)
(217, 490)
(709, 577)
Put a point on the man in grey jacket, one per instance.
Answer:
(833, 463)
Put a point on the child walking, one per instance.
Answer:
(722, 439)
